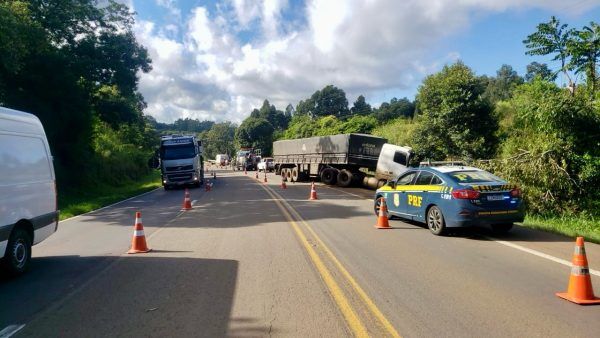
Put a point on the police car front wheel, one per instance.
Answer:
(435, 221)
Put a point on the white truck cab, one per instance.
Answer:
(393, 160)
(28, 202)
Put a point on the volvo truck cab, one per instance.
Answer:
(181, 162)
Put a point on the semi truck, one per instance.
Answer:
(343, 159)
(181, 161)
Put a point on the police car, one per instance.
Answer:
(452, 196)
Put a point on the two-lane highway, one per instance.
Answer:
(252, 259)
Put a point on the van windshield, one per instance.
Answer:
(178, 152)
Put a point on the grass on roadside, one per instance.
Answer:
(584, 225)
(78, 201)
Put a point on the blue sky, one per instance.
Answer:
(218, 59)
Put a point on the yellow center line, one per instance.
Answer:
(370, 304)
(363, 295)
(342, 302)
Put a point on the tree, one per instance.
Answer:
(501, 87)
(540, 70)
(585, 50)
(361, 107)
(395, 109)
(256, 133)
(219, 140)
(305, 107)
(552, 38)
(289, 111)
(456, 120)
(277, 118)
(327, 101)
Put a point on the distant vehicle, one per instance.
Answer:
(247, 158)
(222, 159)
(28, 206)
(181, 161)
(453, 196)
(266, 164)
(341, 159)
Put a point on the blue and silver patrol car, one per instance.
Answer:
(452, 196)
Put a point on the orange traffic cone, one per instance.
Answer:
(382, 218)
(245, 172)
(207, 186)
(138, 243)
(313, 192)
(214, 175)
(256, 175)
(580, 284)
(283, 185)
(187, 202)
(265, 180)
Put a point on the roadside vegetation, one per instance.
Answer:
(76, 66)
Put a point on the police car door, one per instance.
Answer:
(416, 198)
(397, 202)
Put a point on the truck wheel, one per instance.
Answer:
(329, 176)
(435, 221)
(18, 252)
(294, 174)
(344, 178)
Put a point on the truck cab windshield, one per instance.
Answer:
(177, 152)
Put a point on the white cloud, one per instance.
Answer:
(225, 64)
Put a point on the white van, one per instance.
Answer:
(28, 206)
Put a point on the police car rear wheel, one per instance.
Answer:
(435, 221)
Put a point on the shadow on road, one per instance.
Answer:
(142, 295)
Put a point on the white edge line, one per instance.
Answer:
(509, 244)
(539, 254)
(108, 206)
(11, 330)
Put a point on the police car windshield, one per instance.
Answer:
(473, 177)
(178, 152)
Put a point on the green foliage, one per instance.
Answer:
(584, 48)
(551, 38)
(502, 86)
(399, 131)
(552, 149)
(359, 124)
(361, 107)
(75, 66)
(456, 121)
(219, 140)
(395, 109)
(327, 101)
(278, 119)
(256, 133)
(118, 159)
(540, 70)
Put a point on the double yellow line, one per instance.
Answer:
(354, 322)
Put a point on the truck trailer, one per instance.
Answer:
(341, 159)
(181, 161)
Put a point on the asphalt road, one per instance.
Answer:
(252, 259)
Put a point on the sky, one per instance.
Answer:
(217, 60)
